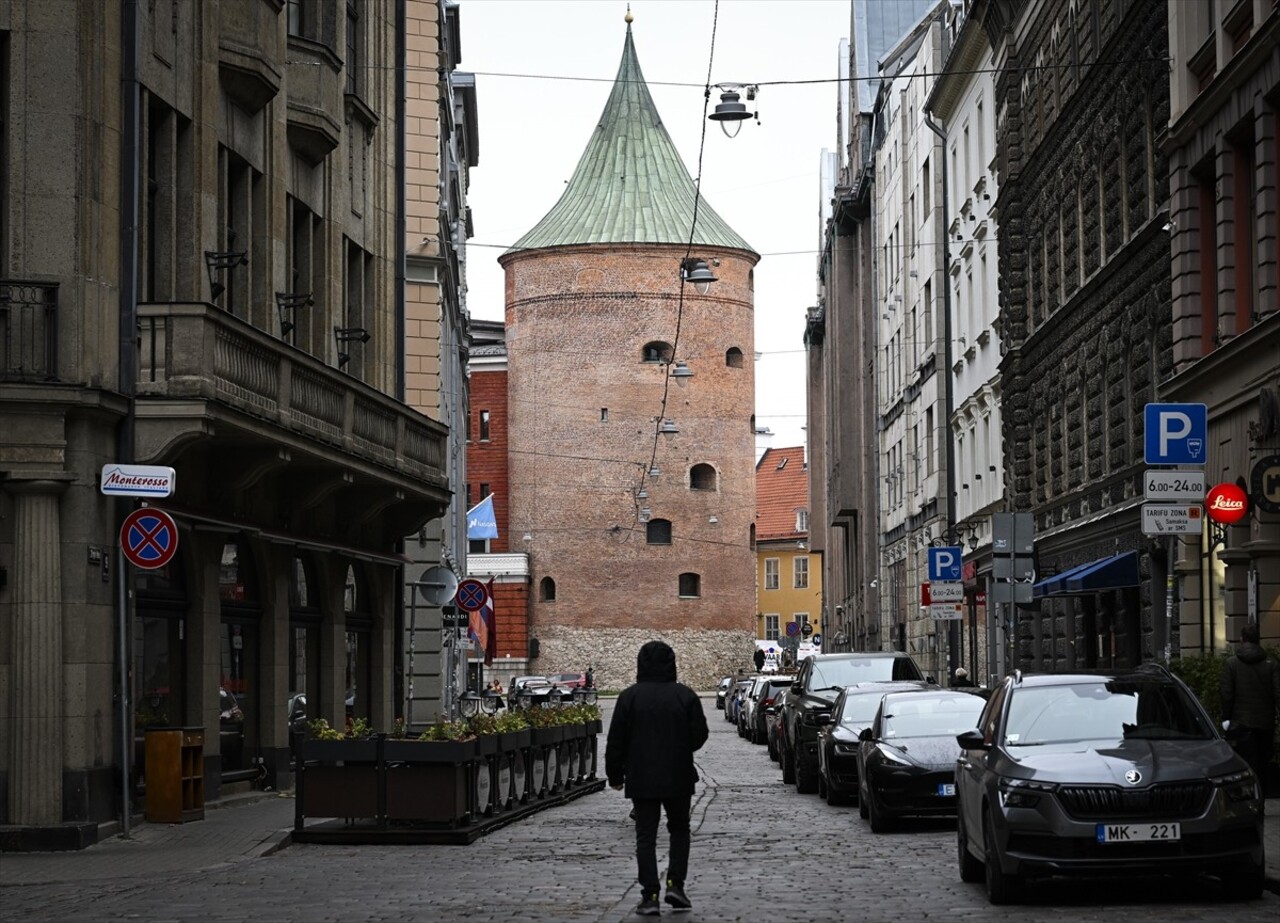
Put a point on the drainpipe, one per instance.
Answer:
(954, 634)
(130, 143)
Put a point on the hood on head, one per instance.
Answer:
(656, 662)
(1250, 652)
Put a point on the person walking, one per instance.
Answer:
(657, 725)
(1250, 690)
(759, 659)
(962, 680)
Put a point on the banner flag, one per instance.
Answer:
(490, 617)
(482, 522)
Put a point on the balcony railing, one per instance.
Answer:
(195, 351)
(28, 330)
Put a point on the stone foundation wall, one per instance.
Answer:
(702, 656)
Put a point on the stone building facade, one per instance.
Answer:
(199, 271)
(1223, 161)
(631, 395)
(1082, 102)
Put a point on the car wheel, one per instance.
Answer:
(970, 865)
(875, 814)
(788, 764)
(806, 777)
(1243, 884)
(835, 798)
(1002, 888)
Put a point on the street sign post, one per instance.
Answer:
(149, 538)
(793, 629)
(946, 611)
(1171, 518)
(1174, 486)
(945, 563)
(1175, 434)
(471, 595)
(946, 591)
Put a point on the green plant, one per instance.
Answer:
(482, 725)
(358, 729)
(399, 729)
(321, 730)
(448, 730)
(510, 721)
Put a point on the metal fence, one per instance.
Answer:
(28, 330)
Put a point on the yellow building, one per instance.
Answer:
(788, 574)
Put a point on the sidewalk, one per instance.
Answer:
(258, 825)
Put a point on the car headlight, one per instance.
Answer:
(810, 716)
(847, 749)
(1023, 793)
(893, 756)
(1239, 786)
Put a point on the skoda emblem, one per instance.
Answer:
(1133, 777)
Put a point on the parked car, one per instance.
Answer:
(854, 709)
(749, 703)
(1113, 773)
(734, 700)
(773, 687)
(906, 759)
(773, 727)
(819, 679)
(722, 690)
(568, 680)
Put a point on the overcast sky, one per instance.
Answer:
(764, 182)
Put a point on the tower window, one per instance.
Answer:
(658, 531)
(702, 477)
(690, 585)
(656, 351)
(733, 357)
(547, 590)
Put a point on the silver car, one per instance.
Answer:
(1118, 773)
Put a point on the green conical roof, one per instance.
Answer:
(630, 185)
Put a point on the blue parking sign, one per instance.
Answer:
(1176, 434)
(945, 563)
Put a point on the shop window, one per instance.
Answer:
(236, 583)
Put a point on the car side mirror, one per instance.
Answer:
(972, 740)
(865, 735)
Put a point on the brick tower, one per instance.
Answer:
(631, 402)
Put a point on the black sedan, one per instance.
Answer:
(907, 758)
(854, 709)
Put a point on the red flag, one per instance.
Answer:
(478, 625)
(490, 617)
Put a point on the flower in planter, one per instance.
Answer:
(482, 725)
(399, 729)
(321, 730)
(510, 721)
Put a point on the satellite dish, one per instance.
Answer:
(437, 585)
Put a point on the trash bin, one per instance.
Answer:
(175, 775)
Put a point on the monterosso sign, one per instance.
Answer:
(1226, 504)
(138, 480)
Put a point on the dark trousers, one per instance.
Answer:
(648, 813)
(1257, 746)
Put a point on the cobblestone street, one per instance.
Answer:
(760, 852)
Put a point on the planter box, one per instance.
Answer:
(340, 751)
(543, 737)
(435, 792)
(515, 740)
(339, 791)
(595, 727)
(429, 751)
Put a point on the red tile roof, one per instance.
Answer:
(782, 487)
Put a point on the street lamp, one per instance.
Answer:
(584, 696)
(695, 270)
(470, 703)
(730, 112)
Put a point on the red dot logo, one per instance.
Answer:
(1226, 504)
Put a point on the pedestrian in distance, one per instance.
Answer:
(590, 681)
(962, 680)
(657, 725)
(1250, 690)
(759, 659)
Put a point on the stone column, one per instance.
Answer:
(35, 756)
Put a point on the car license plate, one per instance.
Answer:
(946, 790)
(1138, 833)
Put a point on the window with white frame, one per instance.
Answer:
(770, 573)
(802, 520)
(800, 565)
(771, 629)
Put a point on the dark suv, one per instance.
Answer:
(819, 679)
(1103, 774)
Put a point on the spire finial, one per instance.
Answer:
(629, 17)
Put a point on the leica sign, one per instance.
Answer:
(1226, 504)
(137, 480)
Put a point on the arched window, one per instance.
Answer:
(733, 357)
(656, 351)
(690, 585)
(702, 477)
(751, 536)
(658, 532)
(547, 590)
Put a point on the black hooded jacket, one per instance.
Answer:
(657, 725)
(1250, 687)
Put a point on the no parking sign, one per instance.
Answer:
(149, 538)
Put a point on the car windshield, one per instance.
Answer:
(836, 674)
(926, 716)
(1149, 709)
(861, 709)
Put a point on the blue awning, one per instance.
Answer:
(1057, 584)
(1111, 573)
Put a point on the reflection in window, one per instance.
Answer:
(235, 575)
